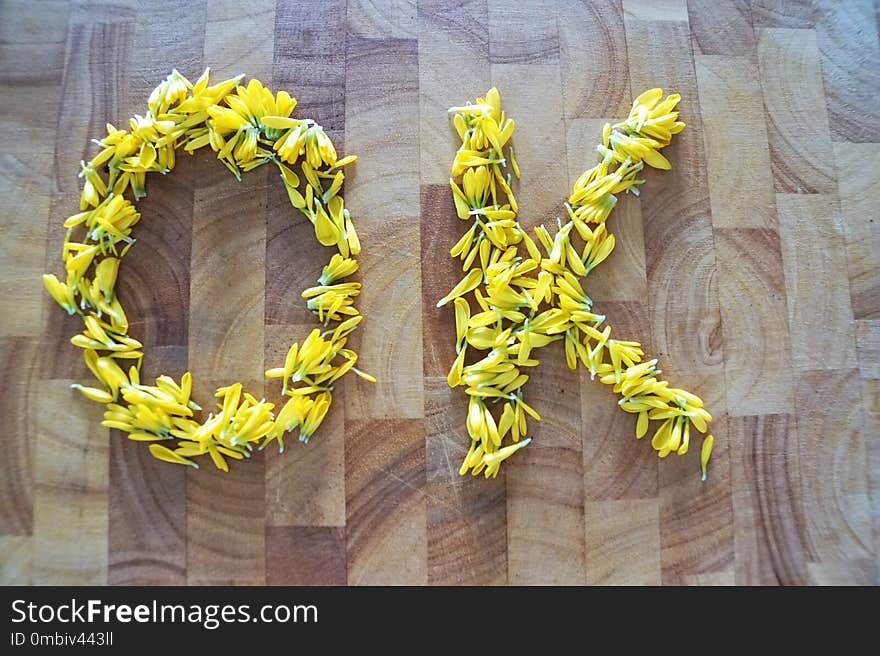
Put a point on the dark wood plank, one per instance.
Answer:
(19, 357)
(305, 555)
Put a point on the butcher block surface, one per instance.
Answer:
(750, 270)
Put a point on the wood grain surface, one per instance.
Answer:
(750, 270)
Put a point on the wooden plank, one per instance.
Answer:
(648, 10)
(797, 119)
(721, 28)
(676, 210)
(309, 60)
(70, 489)
(147, 517)
(33, 54)
(616, 464)
(737, 150)
(385, 522)
(696, 517)
(18, 395)
(230, 30)
(226, 512)
(868, 348)
(448, 31)
(834, 473)
(314, 72)
(147, 511)
(160, 29)
(783, 13)
(93, 91)
(381, 88)
(154, 281)
(440, 229)
(227, 281)
(226, 524)
(757, 353)
(771, 545)
(592, 48)
(696, 537)
(545, 482)
(622, 276)
(531, 94)
(853, 572)
(42, 32)
(305, 485)
(622, 542)
(389, 19)
(91, 94)
(858, 167)
(846, 33)
(871, 403)
(545, 537)
(305, 555)
(15, 567)
(466, 515)
(816, 285)
(523, 34)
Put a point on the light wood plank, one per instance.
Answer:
(616, 464)
(834, 472)
(305, 555)
(623, 542)
(858, 169)
(18, 394)
(592, 48)
(523, 34)
(819, 310)
(545, 481)
(737, 150)
(230, 29)
(868, 348)
(382, 191)
(383, 19)
(757, 350)
(531, 95)
(797, 119)
(846, 33)
(16, 564)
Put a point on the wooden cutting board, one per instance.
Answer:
(750, 270)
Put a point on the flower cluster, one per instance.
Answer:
(246, 126)
(526, 300)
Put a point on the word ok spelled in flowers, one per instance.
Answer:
(247, 127)
(525, 301)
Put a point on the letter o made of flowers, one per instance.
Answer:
(246, 126)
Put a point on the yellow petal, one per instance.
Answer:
(705, 453)
(642, 424)
(164, 453)
(468, 283)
